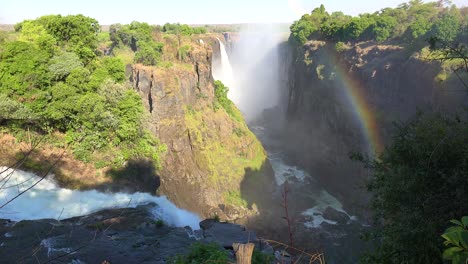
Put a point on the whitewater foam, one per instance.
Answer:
(48, 200)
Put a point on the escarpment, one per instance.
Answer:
(332, 93)
(209, 152)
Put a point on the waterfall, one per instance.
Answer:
(47, 200)
(224, 72)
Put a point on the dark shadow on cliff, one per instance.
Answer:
(137, 175)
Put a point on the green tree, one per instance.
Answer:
(63, 64)
(419, 181)
(446, 28)
(23, 69)
(149, 53)
(72, 30)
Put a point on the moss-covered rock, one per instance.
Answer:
(210, 151)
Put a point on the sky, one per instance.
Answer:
(186, 11)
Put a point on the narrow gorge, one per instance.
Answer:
(335, 138)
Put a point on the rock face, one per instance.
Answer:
(324, 125)
(209, 152)
(128, 235)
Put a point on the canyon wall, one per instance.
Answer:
(209, 153)
(324, 124)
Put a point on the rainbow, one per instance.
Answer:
(355, 95)
(363, 111)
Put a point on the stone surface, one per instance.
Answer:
(205, 158)
(332, 214)
(127, 235)
(226, 234)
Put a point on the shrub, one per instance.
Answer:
(203, 253)
(457, 238)
(340, 46)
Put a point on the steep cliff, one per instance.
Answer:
(209, 152)
(325, 124)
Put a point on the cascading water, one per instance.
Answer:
(47, 200)
(256, 74)
(224, 72)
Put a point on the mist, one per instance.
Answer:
(256, 82)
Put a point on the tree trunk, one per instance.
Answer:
(243, 252)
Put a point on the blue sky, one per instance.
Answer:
(185, 11)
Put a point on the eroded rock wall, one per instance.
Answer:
(323, 124)
(209, 152)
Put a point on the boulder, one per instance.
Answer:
(334, 215)
(226, 234)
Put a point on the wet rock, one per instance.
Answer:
(207, 223)
(334, 215)
(226, 234)
(127, 235)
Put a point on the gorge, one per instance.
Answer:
(127, 141)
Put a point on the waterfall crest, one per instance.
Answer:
(224, 73)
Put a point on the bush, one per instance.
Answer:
(221, 92)
(340, 47)
(457, 238)
(203, 253)
(421, 176)
(149, 53)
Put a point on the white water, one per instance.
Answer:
(224, 73)
(47, 200)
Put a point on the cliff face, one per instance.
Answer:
(209, 152)
(323, 126)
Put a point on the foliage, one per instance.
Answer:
(63, 64)
(259, 257)
(457, 238)
(235, 198)
(340, 46)
(149, 53)
(410, 22)
(159, 223)
(54, 76)
(222, 99)
(70, 31)
(421, 175)
(23, 67)
(203, 253)
(131, 34)
(182, 29)
(183, 52)
(13, 110)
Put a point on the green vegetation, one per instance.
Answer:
(235, 198)
(182, 29)
(410, 22)
(203, 253)
(54, 79)
(137, 36)
(419, 182)
(159, 223)
(222, 100)
(219, 154)
(259, 257)
(456, 238)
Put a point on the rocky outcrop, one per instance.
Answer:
(209, 153)
(323, 124)
(128, 235)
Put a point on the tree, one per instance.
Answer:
(63, 64)
(72, 30)
(446, 29)
(419, 181)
